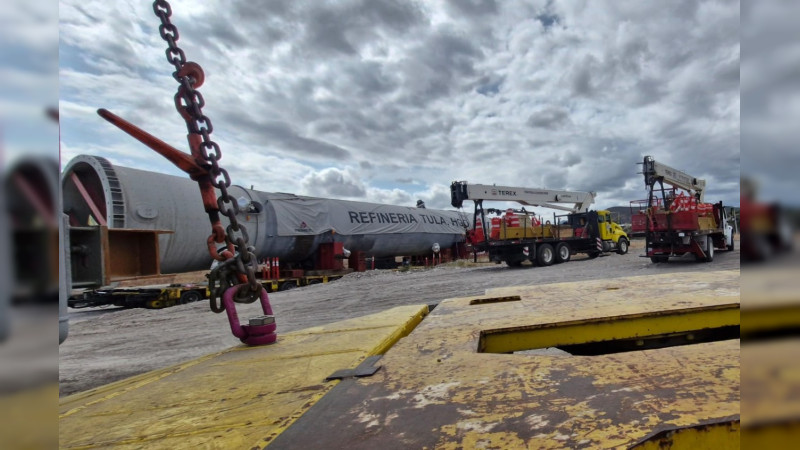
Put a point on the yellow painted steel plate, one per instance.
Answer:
(437, 390)
(239, 398)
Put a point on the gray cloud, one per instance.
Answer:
(478, 8)
(552, 117)
(333, 183)
(433, 92)
(283, 136)
(582, 76)
(345, 27)
(437, 66)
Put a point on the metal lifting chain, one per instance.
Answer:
(234, 268)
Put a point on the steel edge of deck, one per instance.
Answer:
(238, 398)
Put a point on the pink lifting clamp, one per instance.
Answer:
(261, 329)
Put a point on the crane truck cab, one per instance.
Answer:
(600, 225)
(611, 234)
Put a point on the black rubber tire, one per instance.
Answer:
(622, 246)
(659, 259)
(287, 285)
(709, 249)
(545, 255)
(514, 263)
(730, 246)
(593, 255)
(563, 253)
(190, 297)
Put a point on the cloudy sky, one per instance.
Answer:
(390, 101)
(770, 91)
(28, 78)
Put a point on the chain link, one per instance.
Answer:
(241, 266)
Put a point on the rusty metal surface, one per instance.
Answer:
(435, 390)
(771, 382)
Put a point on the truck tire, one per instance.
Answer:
(287, 285)
(622, 246)
(545, 255)
(730, 246)
(709, 249)
(189, 297)
(593, 255)
(562, 252)
(514, 262)
(659, 259)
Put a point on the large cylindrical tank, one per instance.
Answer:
(287, 226)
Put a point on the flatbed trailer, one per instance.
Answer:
(287, 283)
(150, 297)
(591, 233)
(167, 295)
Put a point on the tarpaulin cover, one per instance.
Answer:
(305, 215)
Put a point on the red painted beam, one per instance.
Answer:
(183, 161)
(86, 197)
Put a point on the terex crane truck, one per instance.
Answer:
(675, 219)
(519, 236)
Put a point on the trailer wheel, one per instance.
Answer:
(189, 297)
(709, 249)
(659, 259)
(545, 255)
(622, 246)
(287, 285)
(593, 255)
(562, 252)
(514, 262)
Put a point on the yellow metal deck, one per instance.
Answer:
(436, 390)
(444, 386)
(239, 398)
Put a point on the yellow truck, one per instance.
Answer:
(517, 236)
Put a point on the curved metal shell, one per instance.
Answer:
(287, 226)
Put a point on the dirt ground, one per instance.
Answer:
(109, 344)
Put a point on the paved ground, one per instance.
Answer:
(106, 345)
